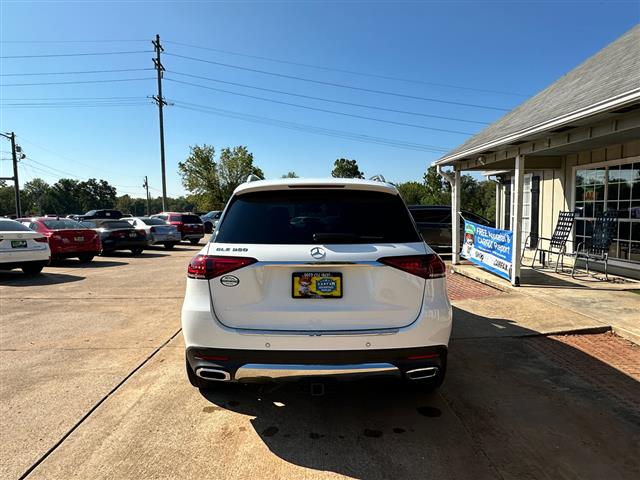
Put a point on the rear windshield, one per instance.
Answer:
(13, 226)
(189, 219)
(316, 217)
(61, 224)
(152, 221)
(113, 225)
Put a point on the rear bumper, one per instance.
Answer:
(192, 236)
(110, 245)
(155, 238)
(247, 365)
(12, 265)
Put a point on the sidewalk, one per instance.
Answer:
(551, 303)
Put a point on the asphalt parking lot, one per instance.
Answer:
(92, 385)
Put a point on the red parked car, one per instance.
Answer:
(67, 238)
(189, 225)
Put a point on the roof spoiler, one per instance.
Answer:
(253, 178)
(378, 178)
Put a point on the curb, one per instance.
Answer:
(485, 281)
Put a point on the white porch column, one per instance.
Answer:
(455, 218)
(516, 228)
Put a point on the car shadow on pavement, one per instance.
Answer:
(514, 404)
(94, 264)
(125, 254)
(19, 279)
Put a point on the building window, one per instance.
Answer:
(617, 188)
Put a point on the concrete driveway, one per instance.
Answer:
(92, 385)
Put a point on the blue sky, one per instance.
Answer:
(463, 52)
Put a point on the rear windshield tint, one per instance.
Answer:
(295, 217)
(190, 219)
(13, 226)
(152, 221)
(62, 224)
(115, 224)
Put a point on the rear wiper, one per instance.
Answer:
(342, 237)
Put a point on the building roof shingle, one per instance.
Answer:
(611, 72)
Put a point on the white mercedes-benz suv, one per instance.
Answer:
(316, 277)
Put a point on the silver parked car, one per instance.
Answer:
(158, 232)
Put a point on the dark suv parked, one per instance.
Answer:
(188, 224)
(103, 213)
(434, 224)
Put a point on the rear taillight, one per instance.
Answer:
(178, 225)
(41, 239)
(425, 266)
(209, 266)
(141, 233)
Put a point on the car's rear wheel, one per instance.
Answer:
(85, 257)
(194, 241)
(208, 227)
(137, 251)
(169, 245)
(32, 269)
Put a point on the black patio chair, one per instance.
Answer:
(597, 247)
(557, 244)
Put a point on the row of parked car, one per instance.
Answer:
(31, 243)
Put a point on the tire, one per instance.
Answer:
(32, 269)
(105, 253)
(194, 241)
(169, 245)
(85, 257)
(208, 227)
(137, 251)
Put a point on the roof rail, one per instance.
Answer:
(378, 178)
(252, 178)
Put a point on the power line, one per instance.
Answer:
(72, 98)
(64, 157)
(96, 105)
(322, 99)
(309, 128)
(74, 41)
(88, 54)
(77, 82)
(351, 72)
(339, 85)
(75, 73)
(403, 124)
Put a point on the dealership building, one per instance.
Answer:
(575, 146)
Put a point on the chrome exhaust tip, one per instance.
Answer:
(422, 373)
(213, 374)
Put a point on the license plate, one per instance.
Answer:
(79, 239)
(317, 285)
(18, 244)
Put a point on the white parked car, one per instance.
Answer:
(158, 232)
(302, 277)
(21, 247)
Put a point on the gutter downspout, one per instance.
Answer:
(454, 181)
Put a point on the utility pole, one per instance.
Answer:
(161, 103)
(14, 155)
(146, 186)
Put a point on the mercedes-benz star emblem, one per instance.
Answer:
(317, 252)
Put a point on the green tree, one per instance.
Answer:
(413, 193)
(96, 194)
(344, 168)
(7, 199)
(65, 197)
(437, 189)
(211, 183)
(36, 197)
(234, 167)
(290, 175)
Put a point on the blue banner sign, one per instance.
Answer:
(491, 248)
